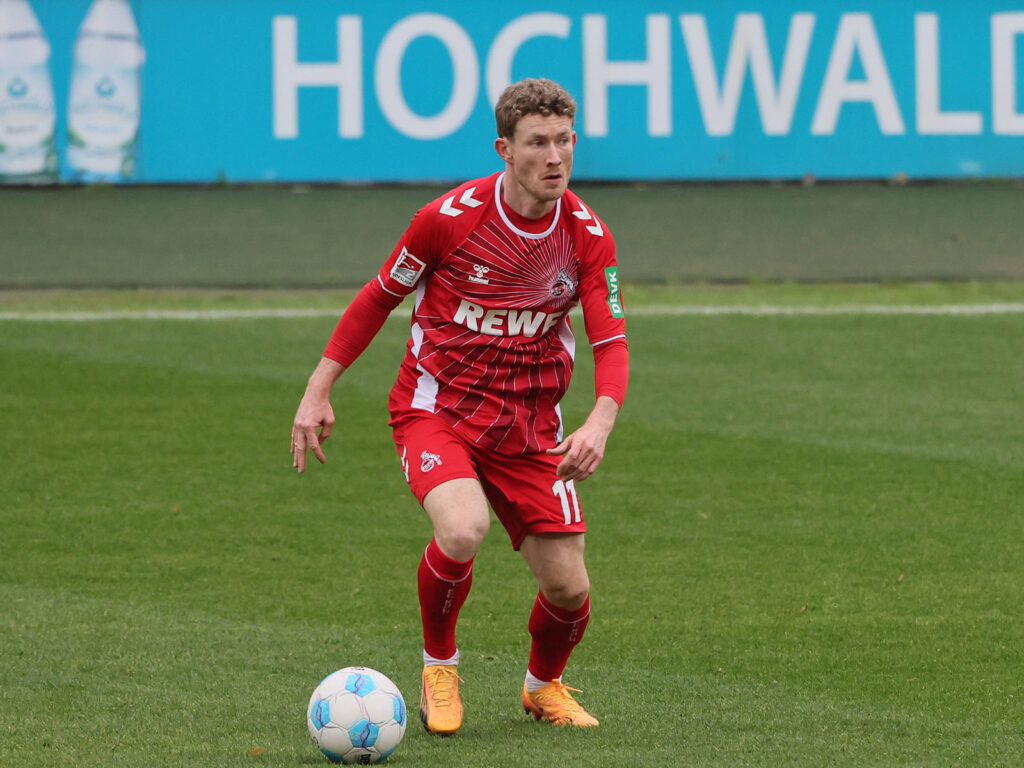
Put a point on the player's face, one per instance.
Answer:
(538, 159)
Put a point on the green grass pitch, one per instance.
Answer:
(805, 542)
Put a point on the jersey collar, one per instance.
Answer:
(508, 223)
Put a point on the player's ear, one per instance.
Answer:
(574, 138)
(501, 146)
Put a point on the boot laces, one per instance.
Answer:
(560, 695)
(442, 685)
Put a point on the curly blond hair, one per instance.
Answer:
(532, 96)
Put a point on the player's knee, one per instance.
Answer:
(462, 540)
(569, 594)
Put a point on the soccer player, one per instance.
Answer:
(496, 265)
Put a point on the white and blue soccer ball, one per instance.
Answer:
(356, 716)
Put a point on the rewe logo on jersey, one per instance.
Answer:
(505, 322)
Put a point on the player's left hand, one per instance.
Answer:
(583, 450)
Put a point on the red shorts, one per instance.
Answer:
(524, 491)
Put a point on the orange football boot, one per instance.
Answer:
(440, 703)
(555, 704)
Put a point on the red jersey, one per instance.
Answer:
(492, 348)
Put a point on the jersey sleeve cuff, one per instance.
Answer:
(611, 369)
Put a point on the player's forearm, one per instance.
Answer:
(604, 413)
(323, 377)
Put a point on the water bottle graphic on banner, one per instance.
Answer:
(106, 94)
(28, 149)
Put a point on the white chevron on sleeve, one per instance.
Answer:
(448, 206)
(468, 199)
(584, 215)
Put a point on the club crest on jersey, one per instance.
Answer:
(430, 460)
(407, 269)
(480, 270)
(564, 284)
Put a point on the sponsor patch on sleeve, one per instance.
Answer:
(614, 297)
(407, 269)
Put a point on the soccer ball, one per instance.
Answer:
(356, 716)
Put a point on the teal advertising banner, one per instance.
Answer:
(168, 91)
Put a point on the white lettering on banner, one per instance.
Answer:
(1006, 119)
(777, 89)
(655, 72)
(345, 74)
(718, 106)
(510, 40)
(931, 120)
(856, 35)
(388, 76)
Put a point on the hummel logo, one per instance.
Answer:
(448, 206)
(480, 270)
(585, 215)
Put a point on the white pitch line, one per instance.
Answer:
(169, 314)
(766, 310)
(751, 310)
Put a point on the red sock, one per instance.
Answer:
(555, 632)
(443, 585)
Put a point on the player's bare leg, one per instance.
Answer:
(556, 561)
(458, 510)
(559, 618)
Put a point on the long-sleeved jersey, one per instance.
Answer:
(492, 348)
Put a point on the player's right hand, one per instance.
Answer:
(313, 414)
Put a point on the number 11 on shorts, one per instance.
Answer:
(563, 490)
